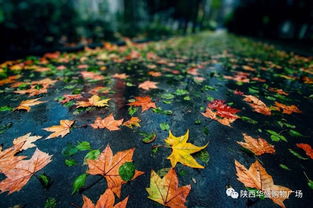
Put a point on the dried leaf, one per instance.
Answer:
(60, 130)
(145, 103)
(109, 122)
(257, 146)
(26, 104)
(166, 191)
(257, 177)
(108, 166)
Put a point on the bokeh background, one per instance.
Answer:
(35, 26)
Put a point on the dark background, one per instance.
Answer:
(36, 26)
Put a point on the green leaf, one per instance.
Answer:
(181, 92)
(297, 154)
(51, 203)
(203, 155)
(132, 110)
(148, 138)
(256, 192)
(283, 166)
(295, 133)
(70, 150)
(92, 155)
(210, 98)
(83, 146)
(249, 120)
(276, 137)
(44, 180)
(164, 126)
(127, 171)
(79, 182)
(310, 184)
(5, 108)
(167, 96)
(70, 162)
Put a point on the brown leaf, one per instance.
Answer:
(106, 200)
(257, 146)
(132, 122)
(288, 109)
(166, 191)
(18, 176)
(8, 158)
(108, 166)
(109, 122)
(26, 104)
(257, 105)
(60, 130)
(147, 85)
(257, 177)
(27, 140)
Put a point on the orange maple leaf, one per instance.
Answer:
(95, 100)
(166, 191)
(26, 104)
(92, 75)
(27, 141)
(257, 177)
(68, 98)
(257, 105)
(257, 146)
(120, 76)
(307, 148)
(133, 121)
(147, 85)
(288, 109)
(10, 79)
(18, 176)
(60, 130)
(106, 200)
(8, 158)
(145, 103)
(108, 122)
(108, 166)
(154, 73)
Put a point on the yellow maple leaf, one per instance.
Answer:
(95, 100)
(182, 150)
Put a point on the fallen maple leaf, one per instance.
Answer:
(257, 146)
(91, 75)
(60, 130)
(307, 148)
(219, 111)
(120, 76)
(26, 104)
(145, 103)
(279, 91)
(108, 166)
(109, 122)
(106, 200)
(132, 122)
(147, 85)
(18, 176)
(8, 158)
(154, 73)
(182, 150)
(68, 98)
(99, 89)
(27, 141)
(9, 80)
(166, 191)
(257, 105)
(257, 177)
(288, 109)
(95, 100)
